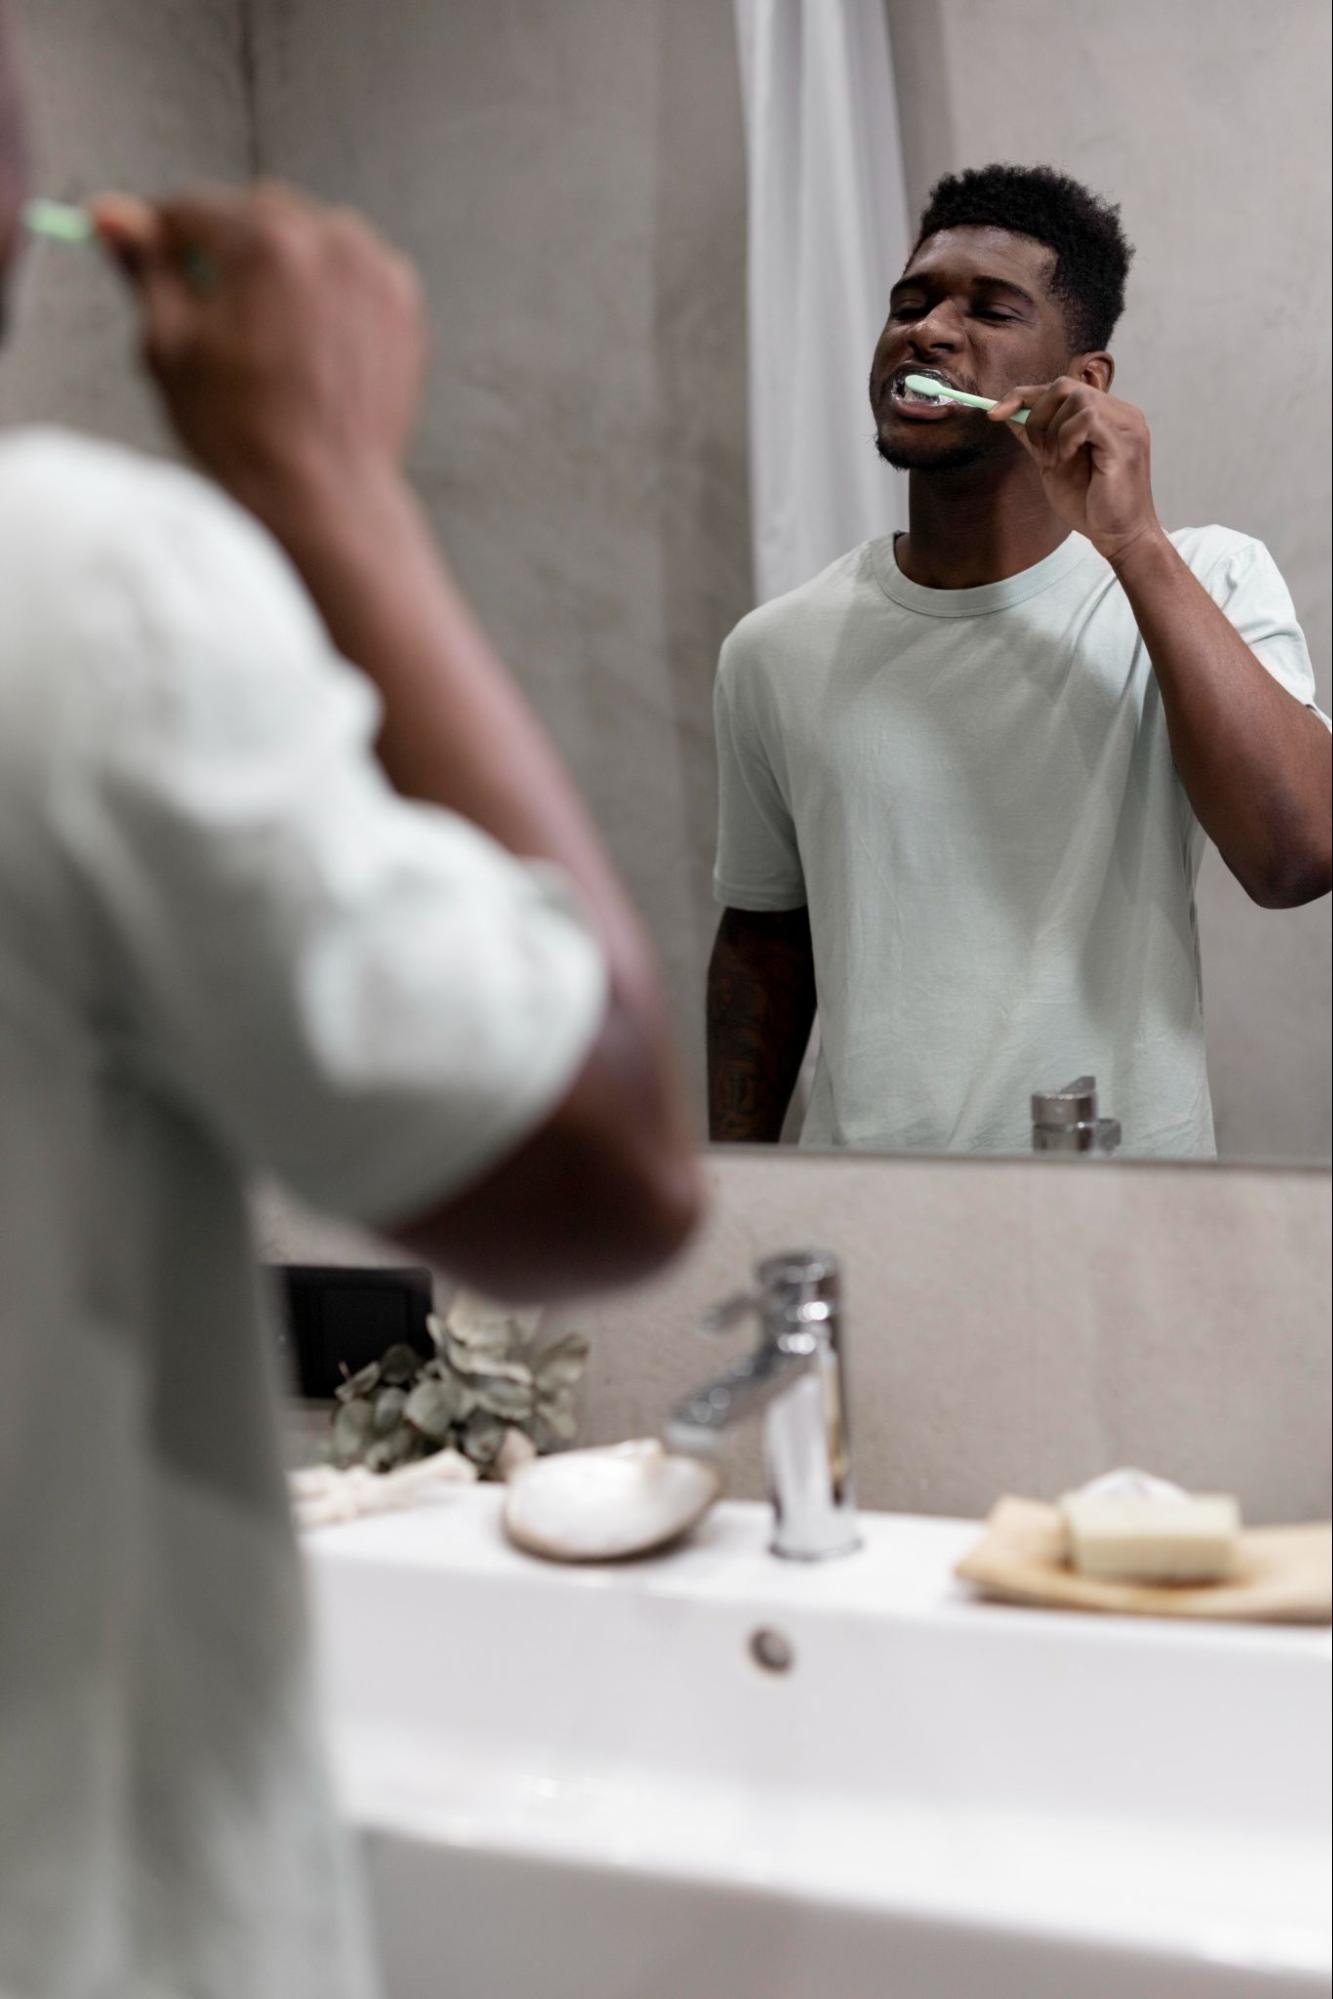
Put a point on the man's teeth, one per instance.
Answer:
(919, 396)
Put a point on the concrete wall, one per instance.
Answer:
(1012, 1326)
(570, 179)
(569, 174)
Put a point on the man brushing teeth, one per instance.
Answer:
(967, 774)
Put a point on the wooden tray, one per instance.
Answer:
(1282, 1575)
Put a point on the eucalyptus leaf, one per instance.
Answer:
(556, 1402)
(482, 1437)
(496, 1341)
(359, 1383)
(432, 1408)
(400, 1364)
(477, 1322)
(513, 1400)
(516, 1371)
(551, 1426)
(464, 1361)
(562, 1363)
(390, 1452)
(353, 1427)
(388, 1408)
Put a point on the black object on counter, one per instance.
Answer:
(338, 1318)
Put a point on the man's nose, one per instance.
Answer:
(940, 327)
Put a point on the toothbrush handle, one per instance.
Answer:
(982, 403)
(989, 402)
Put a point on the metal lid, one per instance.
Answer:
(1074, 1103)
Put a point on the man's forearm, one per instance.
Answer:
(761, 1007)
(1255, 764)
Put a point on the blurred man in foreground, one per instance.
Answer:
(259, 907)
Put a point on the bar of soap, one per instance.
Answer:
(1130, 1528)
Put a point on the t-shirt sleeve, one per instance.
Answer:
(361, 994)
(1248, 585)
(758, 862)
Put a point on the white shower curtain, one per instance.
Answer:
(827, 239)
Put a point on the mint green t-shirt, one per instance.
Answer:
(973, 792)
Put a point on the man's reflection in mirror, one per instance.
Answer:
(968, 773)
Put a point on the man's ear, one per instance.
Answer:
(1097, 370)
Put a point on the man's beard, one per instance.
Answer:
(954, 458)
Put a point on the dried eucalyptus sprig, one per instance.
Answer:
(490, 1391)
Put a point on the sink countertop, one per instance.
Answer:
(904, 1568)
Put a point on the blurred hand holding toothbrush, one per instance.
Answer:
(287, 338)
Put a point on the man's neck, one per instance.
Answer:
(976, 525)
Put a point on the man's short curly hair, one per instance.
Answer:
(1092, 256)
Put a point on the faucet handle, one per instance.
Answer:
(729, 1312)
(796, 1302)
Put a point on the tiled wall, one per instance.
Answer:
(1013, 1326)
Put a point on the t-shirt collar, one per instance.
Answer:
(1001, 596)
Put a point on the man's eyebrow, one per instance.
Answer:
(983, 283)
(1007, 285)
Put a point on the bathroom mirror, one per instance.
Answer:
(571, 180)
(915, 757)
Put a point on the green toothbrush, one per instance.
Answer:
(926, 385)
(60, 222)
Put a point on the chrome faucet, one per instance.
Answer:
(1066, 1120)
(795, 1375)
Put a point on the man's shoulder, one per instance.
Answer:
(81, 516)
(789, 625)
(66, 496)
(1203, 548)
(64, 484)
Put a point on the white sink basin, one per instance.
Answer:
(580, 1784)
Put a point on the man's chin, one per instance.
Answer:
(926, 455)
